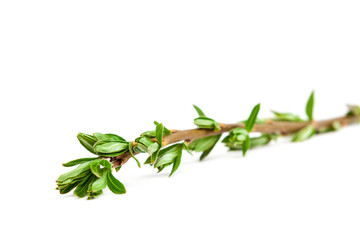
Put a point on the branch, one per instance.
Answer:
(270, 127)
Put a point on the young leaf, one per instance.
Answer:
(287, 117)
(249, 124)
(199, 111)
(78, 161)
(95, 168)
(304, 134)
(115, 137)
(177, 161)
(100, 183)
(159, 137)
(110, 146)
(80, 169)
(168, 155)
(82, 188)
(132, 154)
(87, 141)
(246, 145)
(100, 136)
(186, 147)
(310, 106)
(216, 138)
(105, 163)
(115, 185)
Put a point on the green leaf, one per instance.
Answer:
(78, 161)
(159, 137)
(82, 188)
(246, 145)
(75, 172)
(105, 163)
(287, 117)
(132, 154)
(166, 131)
(115, 137)
(207, 151)
(186, 147)
(115, 185)
(110, 146)
(249, 124)
(95, 168)
(68, 187)
(304, 134)
(100, 183)
(310, 106)
(177, 161)
(199, 111)
(87, 141)
(203, 144)
(208, 123)
(168, 155)
(100, 136)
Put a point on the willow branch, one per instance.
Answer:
(270, 127)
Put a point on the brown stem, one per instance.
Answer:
(284, 128)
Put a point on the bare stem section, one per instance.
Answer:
(270, 127)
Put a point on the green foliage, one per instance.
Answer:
(310, 106)
(89, 179)
(204, 122)
(249, 124)
(287, 117)
(78, 161)
(304, 134)
(132, 154)
(152, 134)
(92, 175)
(204, 145)
(238, 138)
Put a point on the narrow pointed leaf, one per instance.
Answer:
(249, 124)
(207, 152)
(82, 188)
(100, 183)
(310, 106)
(177, 161)
(80, 169)
(78, 161)
(199, 111)
(95, 168)
(304, 134)
(87, 141)
(132, 154)
(114, 184)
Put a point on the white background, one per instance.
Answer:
(116, 66)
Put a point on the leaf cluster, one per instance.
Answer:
(89, 178)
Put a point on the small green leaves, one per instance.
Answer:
(204, 145)
(249, 124)
(78, 161)
(115, 185)
(82, 189)
(204, 122)
(132, 154)
(310, 107)
(80, 169)
(304, 134)
(100, 183)
(287, 117)
(152, 134)
(238, 138)
(87, 141)
(199, 111)
(144, 144)
(169, 156)
(110, 147)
